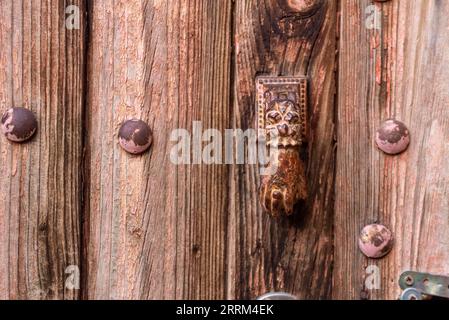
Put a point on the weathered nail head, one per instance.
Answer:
(376, 241)
(277, 296)
(393, 137)
(18, 124)
(135, 136)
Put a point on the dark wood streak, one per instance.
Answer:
(41, 68)
(296, 254)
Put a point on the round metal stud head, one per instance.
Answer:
(375, 241)
(393, 137)
(135, 136)
(277, 296)
(18, 124)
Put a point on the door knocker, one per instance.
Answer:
(282, 124)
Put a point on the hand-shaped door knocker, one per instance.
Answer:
(282, 118)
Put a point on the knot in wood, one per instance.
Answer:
(304, 8)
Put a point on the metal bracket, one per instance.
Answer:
(420, 286)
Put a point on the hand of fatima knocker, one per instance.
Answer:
(282, 118)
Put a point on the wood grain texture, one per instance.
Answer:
(399, 71)
(293, 255)
(141, 227)
(41, 68)
(155, 230)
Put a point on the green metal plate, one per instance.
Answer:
(426, 283)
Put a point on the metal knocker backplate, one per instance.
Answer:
(282, 101)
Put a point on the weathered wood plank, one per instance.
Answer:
(399, 71)
(293, 255)
(155, 229)
(41, 68)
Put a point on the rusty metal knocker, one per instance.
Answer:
(282, 123)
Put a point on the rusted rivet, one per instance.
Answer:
(135, 136)
(375, 241)
(393, 137)
(18, 124)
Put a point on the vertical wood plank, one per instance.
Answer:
(294, 255)
(398, 71)
(41, 68)
(155, 229)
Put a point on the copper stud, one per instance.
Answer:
(376, 241)
(18, 124)
(135, 136)
(393, 137)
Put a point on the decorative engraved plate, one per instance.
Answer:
(282, 109)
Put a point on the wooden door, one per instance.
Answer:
(82, 219)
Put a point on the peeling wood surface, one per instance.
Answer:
(156, 230)
(397, 71)
(41, 68)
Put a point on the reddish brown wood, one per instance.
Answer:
(41, 68)
(398, 70)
